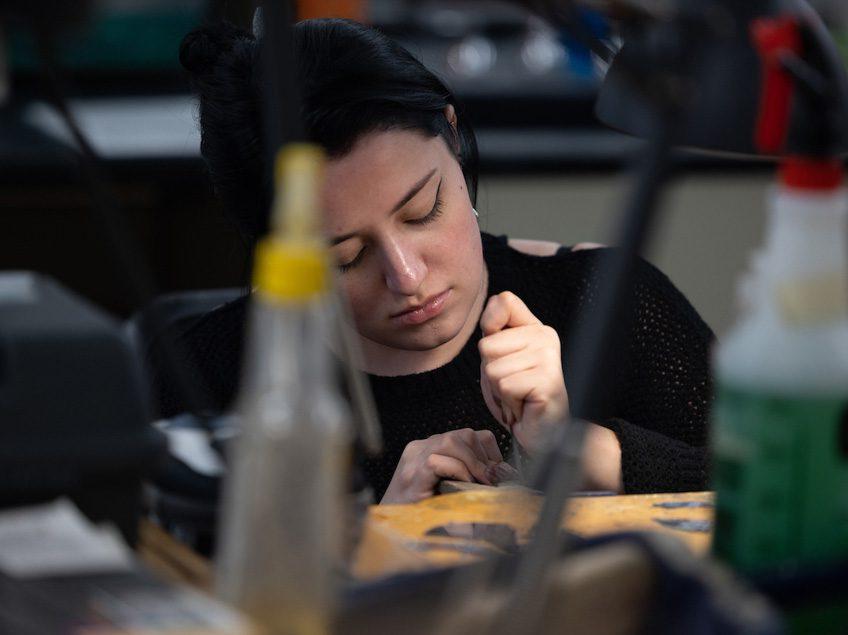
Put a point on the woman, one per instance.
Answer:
(465, 336)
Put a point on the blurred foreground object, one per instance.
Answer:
(283, 512)
(781, 420)
(781, 415)
(73, 415)
(622, 583)
(758, 78)
(626, 583)
(724, 83)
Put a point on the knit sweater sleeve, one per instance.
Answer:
(662, 405)
(656, 397)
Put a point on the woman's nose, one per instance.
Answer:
(403, 268)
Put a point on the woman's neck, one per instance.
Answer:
(390, 362)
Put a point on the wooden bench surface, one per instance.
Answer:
(395, 537)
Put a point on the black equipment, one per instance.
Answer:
(73, 404)
(729, 66)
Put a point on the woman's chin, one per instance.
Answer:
(429, 336)
(391, 348)
(426, 339)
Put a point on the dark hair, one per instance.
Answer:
(353, 79)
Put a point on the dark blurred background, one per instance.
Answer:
(548, 169)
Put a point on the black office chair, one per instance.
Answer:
(180, 497)
(176, 311)
(183, 496)
(156, 332)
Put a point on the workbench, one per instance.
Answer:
(394, 537)
(604, 591)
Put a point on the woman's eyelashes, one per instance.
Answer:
(351, 264)
(432, 215)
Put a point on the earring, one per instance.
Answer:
(476, 215)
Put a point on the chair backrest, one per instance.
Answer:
(156, 331)
(175, 312)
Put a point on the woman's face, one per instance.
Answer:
(406, 241)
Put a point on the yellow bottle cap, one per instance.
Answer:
(288, 271)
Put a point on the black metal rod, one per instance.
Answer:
(593, 360)
(282, 112)
(281, 95)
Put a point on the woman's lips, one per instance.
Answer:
(427, 311)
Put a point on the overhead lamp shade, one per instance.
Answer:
(713, 73)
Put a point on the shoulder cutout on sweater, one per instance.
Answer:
(546, 247)
(534, 247)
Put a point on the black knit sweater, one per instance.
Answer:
(657, 404)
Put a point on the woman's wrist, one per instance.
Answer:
(601, 457)
(602, 460)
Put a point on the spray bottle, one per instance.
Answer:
(781, 433)
(283, 509)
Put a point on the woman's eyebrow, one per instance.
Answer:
(413, 191)
(340, 239)
(403, 201)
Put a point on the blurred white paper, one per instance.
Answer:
(57, 539)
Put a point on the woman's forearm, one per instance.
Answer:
(602, 460)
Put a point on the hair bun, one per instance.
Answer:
(201, 49)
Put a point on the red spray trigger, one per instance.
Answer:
(773, 39)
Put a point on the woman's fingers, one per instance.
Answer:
(458, 444)
(506, 342)
(490, 445)
(503, 407)
(544, 399)
(497, 369)
(500, 411)
(459, 454)
(443, 466)
(492, 403)
(510, 397)
(505, 310)
(536, 337)
(529, 385)
(479, 450)
(542, 404)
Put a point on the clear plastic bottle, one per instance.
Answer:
(283, 509)
(780, 435)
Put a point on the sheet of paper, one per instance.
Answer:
(167, 610)
(57, 539)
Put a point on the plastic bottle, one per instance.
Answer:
(780, 435)
(283, 508)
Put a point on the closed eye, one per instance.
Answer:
(433, 214)
(350, 265)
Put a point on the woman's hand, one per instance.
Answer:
(521, 370)
(463, 455)
(523, 386)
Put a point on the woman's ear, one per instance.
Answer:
(450, 115)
